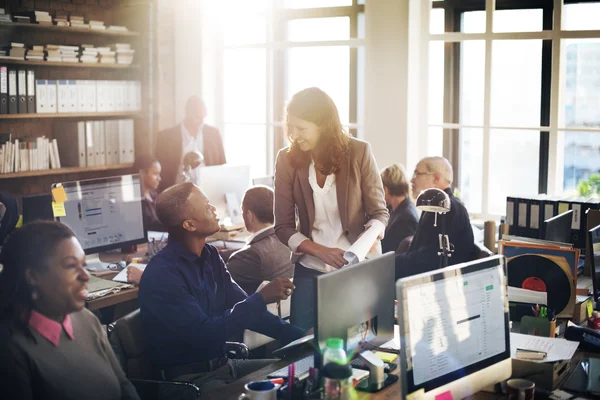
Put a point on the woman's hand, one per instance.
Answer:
(332, 256)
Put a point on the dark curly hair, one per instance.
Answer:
(314, 105)
(27, 247)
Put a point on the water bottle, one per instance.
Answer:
(337, 373)
(334, 352)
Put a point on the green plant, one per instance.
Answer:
(589, 187)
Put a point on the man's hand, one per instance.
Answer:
(278, 289)
(134, 274)
(332, 256)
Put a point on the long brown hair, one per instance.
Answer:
(314, 105)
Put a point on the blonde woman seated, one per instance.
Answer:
(403, 213)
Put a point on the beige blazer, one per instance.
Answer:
(359, 194)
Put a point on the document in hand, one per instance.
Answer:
(358, 251)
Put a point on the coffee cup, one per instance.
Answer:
(260, 390)
(520, 389)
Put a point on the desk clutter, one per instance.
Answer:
(98, 287)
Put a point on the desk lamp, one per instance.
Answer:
(437, 201)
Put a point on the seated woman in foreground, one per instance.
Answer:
(51, 347)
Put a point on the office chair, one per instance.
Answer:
(128, 341)
(480, 251)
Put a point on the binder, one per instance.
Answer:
(510, 215)
(64, 97)
(51, 97)
(126, 144)
(41, 105)
(3, 89)
(72, 99)
(90, 158)
(101, 96)
(522, 216)
(22, 91)
(535, 216)
(100, 146)
(110, 91)
(31, 108)
(81, 87)
(12, 92)
(120, 95)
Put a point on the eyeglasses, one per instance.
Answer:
(417, 174)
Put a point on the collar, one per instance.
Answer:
(179, 248)
(186, 133)
(50, 329)
(253, 236)
(449, 192)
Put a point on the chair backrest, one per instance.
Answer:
(480, 251)
(129, 333)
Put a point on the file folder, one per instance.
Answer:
(3, 90)
(12, 92)
(31, 92)
(22, 91)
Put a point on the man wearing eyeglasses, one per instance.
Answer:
(422, 256)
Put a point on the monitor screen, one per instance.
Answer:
(105, 213)
(558, 228)
(356, 304)
(225, 185)
(594, 237)
(266, 181)
(453, 322)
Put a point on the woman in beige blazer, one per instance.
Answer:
(327, 192)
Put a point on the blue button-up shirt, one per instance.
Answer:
(190, 306)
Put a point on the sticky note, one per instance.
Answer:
(19, 222)
(386, 357)
(59, 209)
(590, 308)
(444, 396)
(59, 194)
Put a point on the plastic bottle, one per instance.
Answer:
(335, 352)
(337, 374)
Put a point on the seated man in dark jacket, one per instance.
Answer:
(189, 304)
(422, 256)
(264, 257)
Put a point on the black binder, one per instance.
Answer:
(12, 92)
(30, 91)
(3, 89)
(22, 91)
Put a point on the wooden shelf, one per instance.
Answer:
(38, 63)
(67, 29)
(60, 171)
(123, 114)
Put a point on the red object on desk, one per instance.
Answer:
(594, 323)
(444, 396)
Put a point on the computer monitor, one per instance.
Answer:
(594, 255)
(37, 207)
(356, 304)
(265, 181)
(105, 214)
(224, 185)
(454, 329)
(558, 228)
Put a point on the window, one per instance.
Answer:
(268, 50)
(505, 132)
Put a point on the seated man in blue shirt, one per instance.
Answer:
(190, 305)
(422, 256)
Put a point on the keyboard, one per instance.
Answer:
(303, 365)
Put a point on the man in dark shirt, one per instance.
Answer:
(422, 256)
(189, 304)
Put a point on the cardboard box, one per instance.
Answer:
(583, 305)
(545, 375)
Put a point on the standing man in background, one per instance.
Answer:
(192, 134)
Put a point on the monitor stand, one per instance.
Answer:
(93, 263)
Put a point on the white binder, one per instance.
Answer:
(41, 105)
(81, 87)
(72, 88)
(81, 143)
(90, 157)
(51, 96)
(64, 97)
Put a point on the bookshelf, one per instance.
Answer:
(99, 115)
(138, 16)
(66, 29)
(63, 171)
(37, 63)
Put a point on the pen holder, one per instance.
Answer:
(538, 326)
(154, 246)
